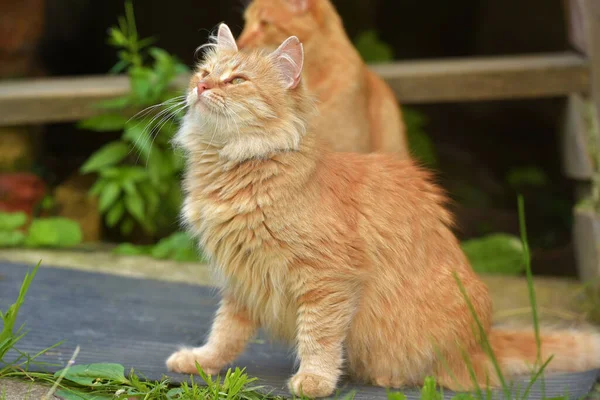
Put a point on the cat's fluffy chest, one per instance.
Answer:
(237, 216)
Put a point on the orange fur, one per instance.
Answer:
(350, 257)
(358, 111)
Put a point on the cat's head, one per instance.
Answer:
(249, 103)
(269, 22)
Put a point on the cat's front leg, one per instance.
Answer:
(324, 316)
(230, 332)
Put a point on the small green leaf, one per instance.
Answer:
(115, 214)
(12, 221)
(116, 37)
(11, 238)
(127, 226)
(131, 174)
(71, 394)
(497, 253)
(135, 205)
(395, 396)
(104, 123)
(128, 249)
(141, 83)
(138, 134)
(117, 103)
(118, 67)
(109, 155)
(109, 195)
(97, 187)
(159, 166)
(94, 375)
(372, 49)
(146, 42)
(53, 232)
(179, 246)
(421, 146)
(151, 197)
(429, 390)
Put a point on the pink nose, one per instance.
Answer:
(202, 86)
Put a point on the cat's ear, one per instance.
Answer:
(289, 58)
(300, 6)
(225, 39)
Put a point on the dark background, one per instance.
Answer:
(477, 143)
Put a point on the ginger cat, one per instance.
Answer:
(349, 257)
(358, 111)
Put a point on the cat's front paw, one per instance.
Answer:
(311, 385)
(184, 361)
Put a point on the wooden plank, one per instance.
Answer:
(469, 79)
(591, 11)
(528, 76)
(577, 163)
(575, 23)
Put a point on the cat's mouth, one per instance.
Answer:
(208, 103)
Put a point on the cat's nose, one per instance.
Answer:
(203, 86)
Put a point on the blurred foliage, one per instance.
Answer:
(497, 253)
(179, 246)
(41, 232)
(421, 145)
(130, 194)
(373, 50)
(592, 201)
(531, 176)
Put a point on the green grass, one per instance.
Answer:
(109, 381)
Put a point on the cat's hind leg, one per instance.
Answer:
(230, 332)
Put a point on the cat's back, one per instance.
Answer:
(386, 184)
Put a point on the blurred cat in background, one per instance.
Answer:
(358, 111)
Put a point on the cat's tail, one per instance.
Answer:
(516, 353)
(571, 350)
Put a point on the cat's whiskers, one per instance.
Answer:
(171, 114)
(148, 109)
(230, 109)
(145, 112)
(145, 138)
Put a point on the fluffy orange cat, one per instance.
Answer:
(357, 110)
(349, 257)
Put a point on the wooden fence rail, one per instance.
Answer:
(48, 100)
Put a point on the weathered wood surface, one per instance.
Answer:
(469, 79)
(577, 163)
(557, 299)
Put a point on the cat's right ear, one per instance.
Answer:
(289, 58)
(225, 39)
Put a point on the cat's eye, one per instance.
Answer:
(237, 81)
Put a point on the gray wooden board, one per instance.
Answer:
(138, 323)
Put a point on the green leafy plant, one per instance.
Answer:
(42, 232)
(139, 174)
(179, 246)
(497, 253)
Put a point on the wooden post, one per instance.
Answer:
(581, 144)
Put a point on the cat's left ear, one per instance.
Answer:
(225, 39)
(289, 58)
